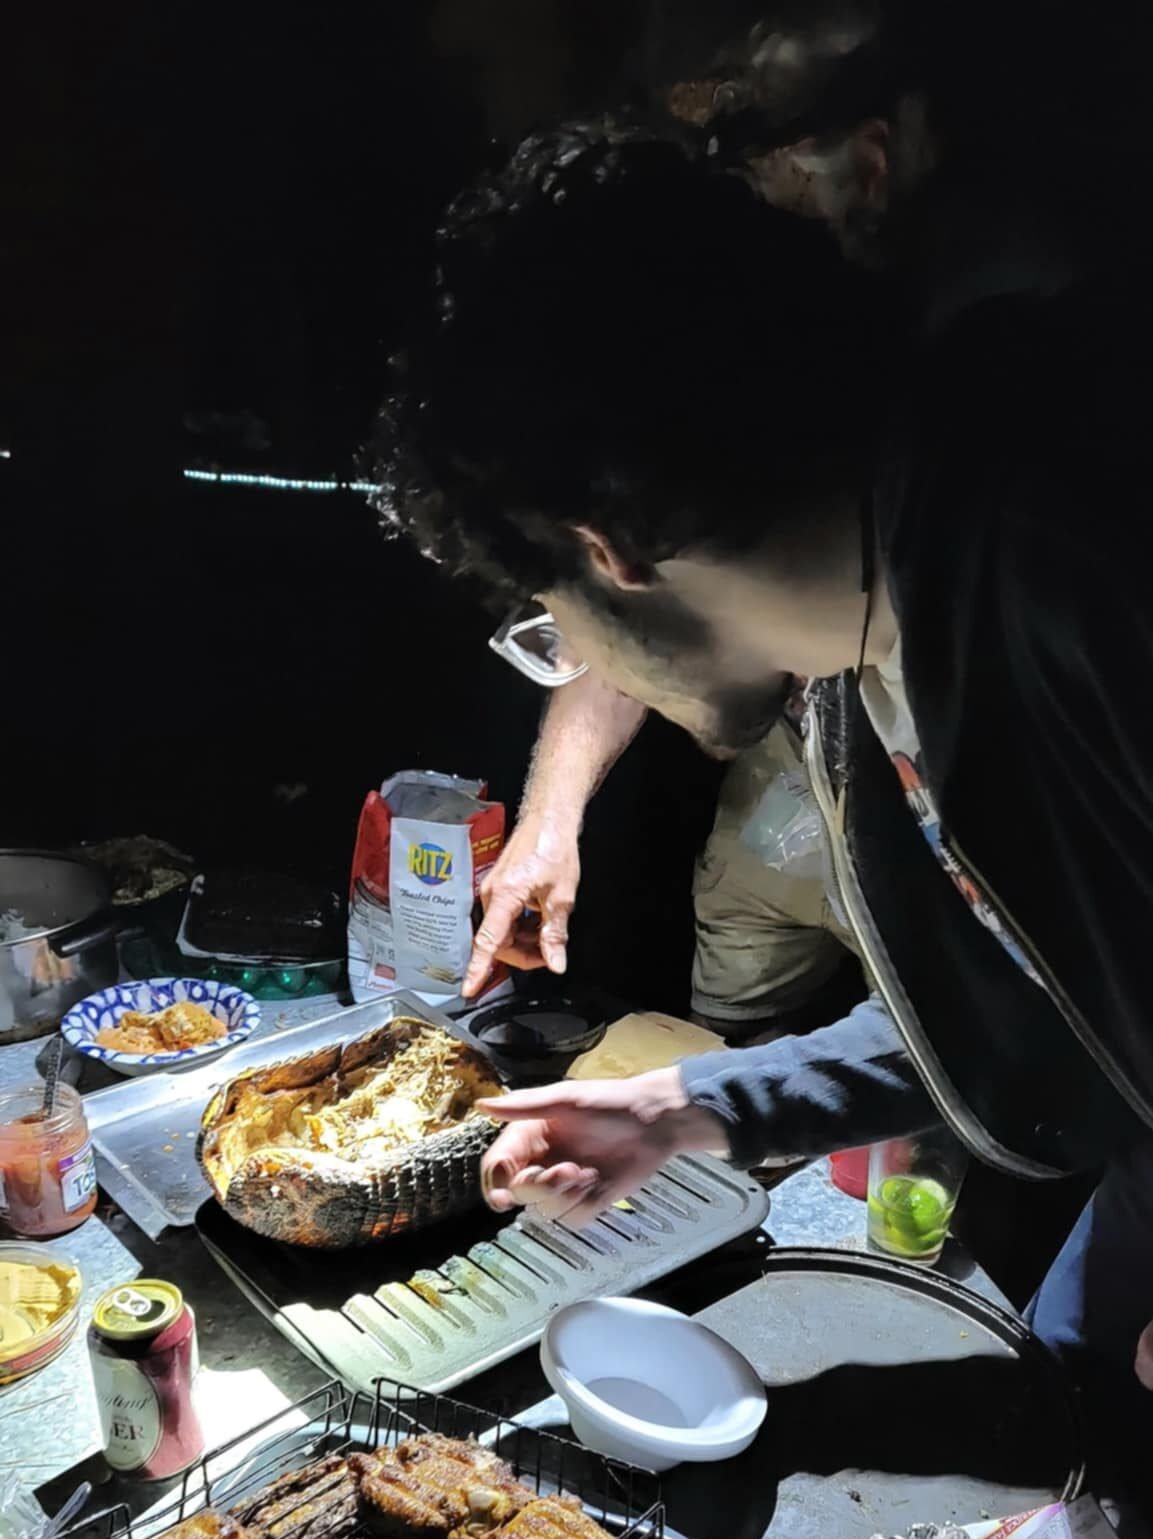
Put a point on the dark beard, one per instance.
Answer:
(742, 717)
(660, 624)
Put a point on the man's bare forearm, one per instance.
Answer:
(586, 727)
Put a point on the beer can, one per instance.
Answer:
(142, 1342)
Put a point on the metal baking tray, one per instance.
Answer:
(144, 1130)
(437, 1308)
(896, 1397)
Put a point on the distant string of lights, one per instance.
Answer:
(277, 483)
(263, 482)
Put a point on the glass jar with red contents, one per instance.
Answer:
(47, 1170)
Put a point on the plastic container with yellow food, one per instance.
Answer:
(39, 1307)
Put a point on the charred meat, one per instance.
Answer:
(553, 1517)
(434, 1485)
(206, 1525)
(320, 1501)
(350, 1144)
(427, 1487)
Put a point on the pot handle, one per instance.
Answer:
(93, 931)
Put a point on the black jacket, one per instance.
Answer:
(1013, 527)
(1015, 532)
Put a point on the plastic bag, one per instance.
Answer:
(1082, 1520)
(21, 1516)
(784, 829)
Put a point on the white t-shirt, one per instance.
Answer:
(884, 698)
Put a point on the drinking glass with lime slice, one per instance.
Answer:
(913, 1188)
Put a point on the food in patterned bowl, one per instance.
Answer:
(164, 1023)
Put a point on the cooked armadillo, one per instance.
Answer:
(351, 1144)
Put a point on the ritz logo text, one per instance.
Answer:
(429, 864)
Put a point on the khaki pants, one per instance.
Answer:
(767, 940)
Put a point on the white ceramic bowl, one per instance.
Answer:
(650, 1386)
(236, 1009)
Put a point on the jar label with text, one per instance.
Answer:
(130, 1412)
(78, 1178)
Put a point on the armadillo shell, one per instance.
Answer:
(304, 1196)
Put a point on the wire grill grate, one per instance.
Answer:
(334, 1420)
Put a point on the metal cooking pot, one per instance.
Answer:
(63, 945)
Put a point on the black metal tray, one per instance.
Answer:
(896, 1396)
(333, 1420)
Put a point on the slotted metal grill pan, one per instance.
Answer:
(442, 1306)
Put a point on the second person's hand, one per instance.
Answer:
(572, 1150)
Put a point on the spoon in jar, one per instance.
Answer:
(52, 1074)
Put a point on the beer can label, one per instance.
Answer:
(130, 1412)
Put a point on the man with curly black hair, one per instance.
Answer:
(685, 424)
(625, 339)
(859, 113)
(784, 947)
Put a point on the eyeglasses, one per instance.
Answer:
(531, 641)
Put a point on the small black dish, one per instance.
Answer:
(537, 1036)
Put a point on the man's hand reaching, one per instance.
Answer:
(586, 728)
(538, 871)
(572, 1150)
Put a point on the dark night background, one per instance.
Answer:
(213, 226)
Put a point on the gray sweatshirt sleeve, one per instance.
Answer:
(850, 1083)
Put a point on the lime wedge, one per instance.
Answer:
(928, 1207)
(914, 1212)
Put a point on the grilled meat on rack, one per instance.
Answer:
(206, 1525)
(318, 1502)
(428, 1487)
(433, 1486)
(436, 1486)
(553, 1517)
(462, 1451)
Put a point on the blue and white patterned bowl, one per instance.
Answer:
(238, 1010)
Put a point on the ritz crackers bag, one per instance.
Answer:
(424, 844)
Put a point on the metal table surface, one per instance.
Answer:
(61, 1395)
(19, 1060)
(249, 1371)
